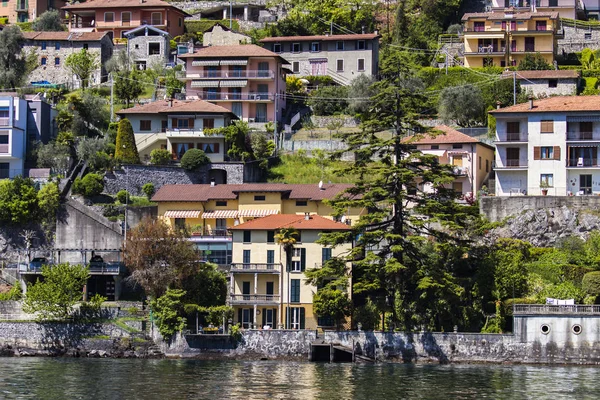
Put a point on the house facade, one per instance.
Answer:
(116, 18)
(504, 38)
(148, 45)
(471, 159)
(548, 145)
(342, 57)
(13, 135)
(27, 10)
(220, 35)
(208, 211)
(546, 83)
(53, 48)
(177, 126)
(268, 287)
(573, 9)
(248, 80)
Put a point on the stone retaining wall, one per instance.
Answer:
(496, 208)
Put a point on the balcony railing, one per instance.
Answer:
(511, 163)
(581, 136)
(513, 137)
(582, 162)
(247, 74)
(547, 309)
(3, 149)
(213, 233)
(235, 96)
(95, 268)
(187, 132)
(4, 121)
(254, 298)
(256, 267)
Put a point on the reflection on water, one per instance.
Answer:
(65, 378)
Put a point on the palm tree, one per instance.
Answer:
(287, 238)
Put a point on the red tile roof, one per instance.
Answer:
(194, 193)
(442, 134)
(163, 106)
(240, 50)
(363, 36)
(551, 74)
(299, 222)
(71, 36)
(555, 104)
(510, 15)
(94, 4)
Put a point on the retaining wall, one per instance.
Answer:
(496, 208)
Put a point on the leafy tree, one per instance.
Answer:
(500, 91)
(262, 148)
(160, 157)
(82, 64)
(93, 150)
(367, 315)
(55, 296)
(591, 283)
(167, 309)
(49, 21)
(359, 92)
(534, 62)
(159, 257)
(120, 61)
(128, 85)
(587, 58)
(54, 156)
(463, 104)
(236, 140)
(48, 199)
(194, 159)
(13, 62)
(89, 186)
(206, 287)
(123, 196)
(126, 151)
(90, 114)
(328, 100)
(148, 189)
(18, 200)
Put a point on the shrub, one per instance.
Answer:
(591, 283)
(321, 100)
(194, 159)
(123, 196)
(90, 185)
(148, 189)
(160, 156)
(126, 150)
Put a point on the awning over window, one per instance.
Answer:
(457, 153)
(205, 63)
(234, 83)
(234, 62)
(205, 83)
(183, 214)
(220, 214)
(257, 213)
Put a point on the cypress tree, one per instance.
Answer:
(126, 151)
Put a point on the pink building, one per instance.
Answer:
(247, 79)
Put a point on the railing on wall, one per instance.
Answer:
(545, 309)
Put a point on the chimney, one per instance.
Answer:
(530, 102)
(171, 102)
(212, 182)
(307, 216)
(376, 32)
(498, 104)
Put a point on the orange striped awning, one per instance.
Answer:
(257, 213)
(183, 214)
(220, 214)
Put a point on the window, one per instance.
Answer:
(153, 49)
(247, 236)
(259, 198)
(296, 67)
(547, 180)
(56, 60)
(270, 236)
(361, 64)
(315, 47)
(156, 18)
(295, 291)
(360, 45)
(270, 287)
(145, 125)
(339, 46)
(547, 126)
(270, 256)
(208, 123)
(212, 93)
(301, 203)
(236, 108)
(296, 252)
(3, 139)
(56, 45)
(296, 266)
(547, 153)
(487, 166)
(479, 26)
(457, 146)
(435, 147)
(325, 254)
(180, 22)
(180, 223)
(109, 17)
(44, 60)
(295, 317)
(540, 25)
(246, 256)
(85, 46)
(277, 48)
(221, 203)
(43, 45)
(587, 36)
(4, 170)
(552, 83)
(339, 65)
(296, 48)
(479, 162)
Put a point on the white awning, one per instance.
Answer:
(584, 145)
(257, 213)
(457, 153)
(220, 214)
(205, 83)
(182, 214)
(234, 83)
(234, 62)
(205, 63)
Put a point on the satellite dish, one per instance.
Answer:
(321, 185)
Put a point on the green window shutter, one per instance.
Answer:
(302, 259)
(264, 317)
(270, 256)
(302, 318)
(295, 291)
(239, 315)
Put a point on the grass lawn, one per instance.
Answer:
(295, 168)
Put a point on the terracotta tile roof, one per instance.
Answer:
(555, 104)
(279, 221)
(551, 74)
(444, 136)
(240, 50)
(71, 36)
(325, 38)
(194, 193)
(95, 4)
(506, 15)
(162, 106)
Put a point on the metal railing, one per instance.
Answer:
(544, 309)
(4, 148)
(247, 74)
(235, 96)
(213, 232)
(513, 163)
(270, 267)
(582, 162)
(513, 137)
(254, 298)
(101, 268)
(4, 121)
(581, 136)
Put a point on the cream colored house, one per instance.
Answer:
(266, 291)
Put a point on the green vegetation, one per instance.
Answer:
(125, 148)
(82, 64)
(13, 294)
(89, 186)
(121, 324)
(20, 202)
(148, 190)
(534, 62)
(167, 311)
(123, 196)
(194, 159)
(160, 157)
(13, 61)
(299, 168)
(49, 21)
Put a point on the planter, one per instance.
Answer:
(544, 192)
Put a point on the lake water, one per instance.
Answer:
(69, 378)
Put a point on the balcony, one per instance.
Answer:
(247, 74)
(267, 299)
(487, 51)
(4, 149)
(258, 97)
(188, 133)
(513, 137)
(5, 121)
(219, 233)
(511, 164)
(95, 268)
(582, 163)
(577, 136)
(271, 268)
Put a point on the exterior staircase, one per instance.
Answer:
(295, 119)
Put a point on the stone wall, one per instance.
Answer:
(575, 40)
(323, 121)
(311, 145)
(540, 87)
(498, 208)
(138, 49)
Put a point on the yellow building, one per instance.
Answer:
(265, 290)
(208, 211)
(503, 39)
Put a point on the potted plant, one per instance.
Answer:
(544, 187)
(197, 230)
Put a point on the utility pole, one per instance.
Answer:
(112, 89)
(230, 14)
(275, 131)
(514, 87)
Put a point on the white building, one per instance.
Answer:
(549, 145)
(13, 135)
(546, 83)
(573, 9)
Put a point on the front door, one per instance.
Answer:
(268, 317)
(221, 227)
(246, 318)
(585, 184)
(529, 44)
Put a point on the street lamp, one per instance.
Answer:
(126, 200)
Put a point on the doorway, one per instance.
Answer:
(585, 184)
